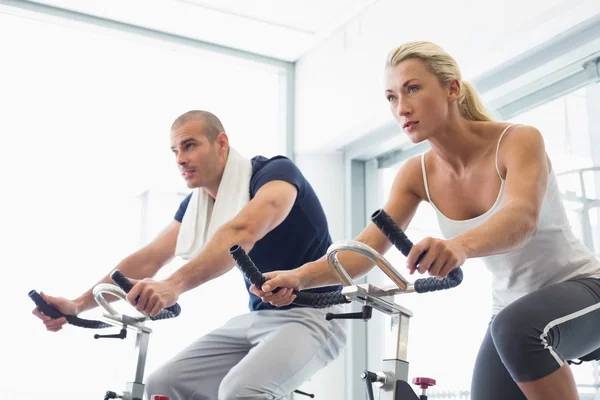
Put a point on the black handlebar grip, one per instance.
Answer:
(121, 281)
(44, 307)
(125, 284)
(395, 235)
(249, 269)
(453, 279)
(52, 312)
(392, 231)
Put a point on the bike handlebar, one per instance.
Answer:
(124, 283)
(398, 238)
(394, 234)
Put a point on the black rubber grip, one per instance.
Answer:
(253, 274)
(399, 239)
(125, 284)
(392, 231)
(121, 281)
(453, 279)
(52, 312)
(247, 266)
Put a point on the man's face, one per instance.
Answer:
(197, 158)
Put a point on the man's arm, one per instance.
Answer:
(144, 263)
(523, 156)
(269, 207)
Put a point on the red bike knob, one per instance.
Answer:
(424, 383)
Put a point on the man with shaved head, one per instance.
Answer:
(270, 209)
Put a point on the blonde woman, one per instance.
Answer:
(496, 197)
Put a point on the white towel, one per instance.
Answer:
(204, 216)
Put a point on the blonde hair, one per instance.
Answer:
(442, 65)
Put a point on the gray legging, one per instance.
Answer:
(533, 336)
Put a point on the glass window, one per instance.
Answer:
(84, 130)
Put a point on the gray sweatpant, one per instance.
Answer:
(264, 354)
(535, 335)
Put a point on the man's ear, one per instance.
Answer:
(223, 142)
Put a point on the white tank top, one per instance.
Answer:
(552, 255)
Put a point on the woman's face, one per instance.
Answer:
(417, 100)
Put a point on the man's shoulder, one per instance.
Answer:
(259, 162)
(277, 165)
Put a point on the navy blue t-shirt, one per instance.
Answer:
(302, 237)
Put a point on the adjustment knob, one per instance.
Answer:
(424, 383)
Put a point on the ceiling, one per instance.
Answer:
(280, 29)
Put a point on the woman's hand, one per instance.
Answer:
(442, 256)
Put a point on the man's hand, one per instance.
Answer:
(154, 296)
(287, 281)
(65, 306)
(442, 257)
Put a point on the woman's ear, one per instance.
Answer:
(454, 87)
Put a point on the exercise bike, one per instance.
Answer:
(134, 390)
(392, 380)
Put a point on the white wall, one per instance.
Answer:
(339, 83)
(325, 172)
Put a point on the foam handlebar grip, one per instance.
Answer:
(392, 231)
(253, 274)
(121, 281)
(249, 269)
(44, 307)
(425, 285)
(395, 235)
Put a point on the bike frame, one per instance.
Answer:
(392, 380)
(134, 390)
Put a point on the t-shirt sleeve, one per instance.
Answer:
(280, 169)
(182, 208)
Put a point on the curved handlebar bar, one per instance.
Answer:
(368, 252)
(125, 286)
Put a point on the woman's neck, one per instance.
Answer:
(460, 142)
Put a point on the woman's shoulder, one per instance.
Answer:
(499, 128)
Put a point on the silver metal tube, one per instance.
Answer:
(368, 252)
(142, 347)
(116, 291)
(392, 290)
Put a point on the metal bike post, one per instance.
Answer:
(135, 389)
(395, 365)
